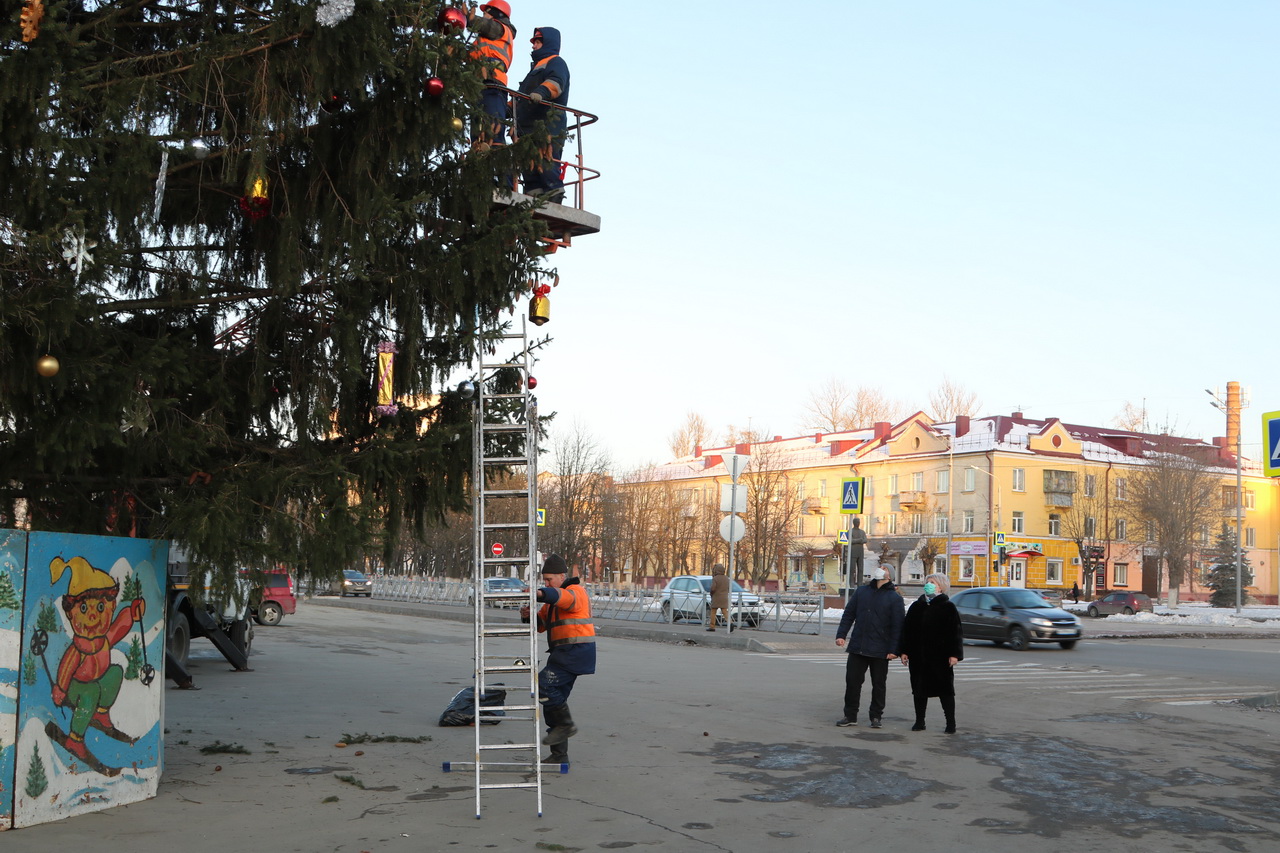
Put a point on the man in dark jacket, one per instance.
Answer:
(874, 612)
(546, 83)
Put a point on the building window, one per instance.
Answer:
(1055, 524)
(941, 524)
(942, 481)
(1053, 571)
(1122, 529)
(1204, 535)
(1122, 489)
(1090, 527)
(970, 479)
(917, 481)
(822, 525)
(1248, 499)
(822, 488)
(940, 565)
(1120, 574)
(800, 526)
(1229, 498)
(1090, 485)
(891, 524)
(966, 568)
(800, 490)
(917, 522)
(1151, 531)
(1250, 538)
(1018, 523)
(1019, 479)
(968, 521)
(893, 483)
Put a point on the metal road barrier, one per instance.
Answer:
(781, 612)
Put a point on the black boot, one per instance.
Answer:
(922, 705)
(559, 754)
(561, 723)
(949, 710)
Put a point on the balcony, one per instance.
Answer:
(912, 498)
(816, 505)
(1059, 499)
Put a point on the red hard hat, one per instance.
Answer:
(498, 6)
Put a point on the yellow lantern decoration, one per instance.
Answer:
(386, 379)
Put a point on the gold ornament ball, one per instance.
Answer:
(47, 366)
(457, 123)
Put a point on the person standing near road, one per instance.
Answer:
(931, 647)
(547, 83)
(719, 597)
(1075, 592)
(565, 617)
(875, 613)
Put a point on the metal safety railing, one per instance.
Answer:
(781, 612)
(576, 173)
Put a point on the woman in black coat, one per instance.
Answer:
(931, 646)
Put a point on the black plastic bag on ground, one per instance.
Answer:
(461, 710)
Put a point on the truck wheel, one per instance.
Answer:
(269, 613)
(179, 645)
(241, 635)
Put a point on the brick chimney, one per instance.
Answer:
(962, 425)
(882, 429)
(1233, 416)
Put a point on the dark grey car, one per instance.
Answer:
(1018, 617)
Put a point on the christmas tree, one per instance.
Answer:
(29, 672)
(47, 618)
(37, 781)
(211, 217)
(1221, 576)
(132, 671)
(8, 593)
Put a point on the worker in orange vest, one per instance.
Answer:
(494, 49)
(565, 617)
(547, 86)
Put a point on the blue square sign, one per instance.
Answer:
(1271, 444)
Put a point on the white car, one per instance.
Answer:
(689, 596)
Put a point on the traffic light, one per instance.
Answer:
(1004, 555)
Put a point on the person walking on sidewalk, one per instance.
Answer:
(875, 613)
(931, 647)
(719, 597)
(565, 617)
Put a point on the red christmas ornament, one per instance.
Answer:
(451, 19)
(533, 382)
(333, 103)
(435, 87)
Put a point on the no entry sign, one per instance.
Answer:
(496, 548)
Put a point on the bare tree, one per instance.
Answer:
(1175, 494)
(950, 399)
(573, 496)
(772, 510)
(743, 435)
(1083, 512)
(1132, 418)
(835, 408)
(693, 433)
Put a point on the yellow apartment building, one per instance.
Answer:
(948, 496)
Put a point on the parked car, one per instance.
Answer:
(1018, 617)
(352, 583)
(277, 599)
(513, 591)
(688, 596)
(1127, 603)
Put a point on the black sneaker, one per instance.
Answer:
(846, 721)
(875, 723)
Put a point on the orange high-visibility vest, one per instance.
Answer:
(497, 53)
(569, 619)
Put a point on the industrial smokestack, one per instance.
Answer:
(1233, 417)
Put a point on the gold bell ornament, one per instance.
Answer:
(540, 305)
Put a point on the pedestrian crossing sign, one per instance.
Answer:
(842, 538)
(1271, 443)
(542, 517)
(851, 495)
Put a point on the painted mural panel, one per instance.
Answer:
(90, 728)
(13, 549)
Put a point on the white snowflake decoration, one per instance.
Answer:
(334, 12)
(75, 250)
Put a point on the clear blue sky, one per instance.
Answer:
(1064, 206)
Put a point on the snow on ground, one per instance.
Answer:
(1188, 613)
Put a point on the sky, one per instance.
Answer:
(1063, 207)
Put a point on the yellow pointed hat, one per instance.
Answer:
(84, 577)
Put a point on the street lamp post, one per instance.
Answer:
(998, 520)
(1217, 404)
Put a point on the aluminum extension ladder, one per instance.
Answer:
(505, 508)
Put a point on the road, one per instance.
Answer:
(693, 748)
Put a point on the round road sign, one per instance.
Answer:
(496, 548)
